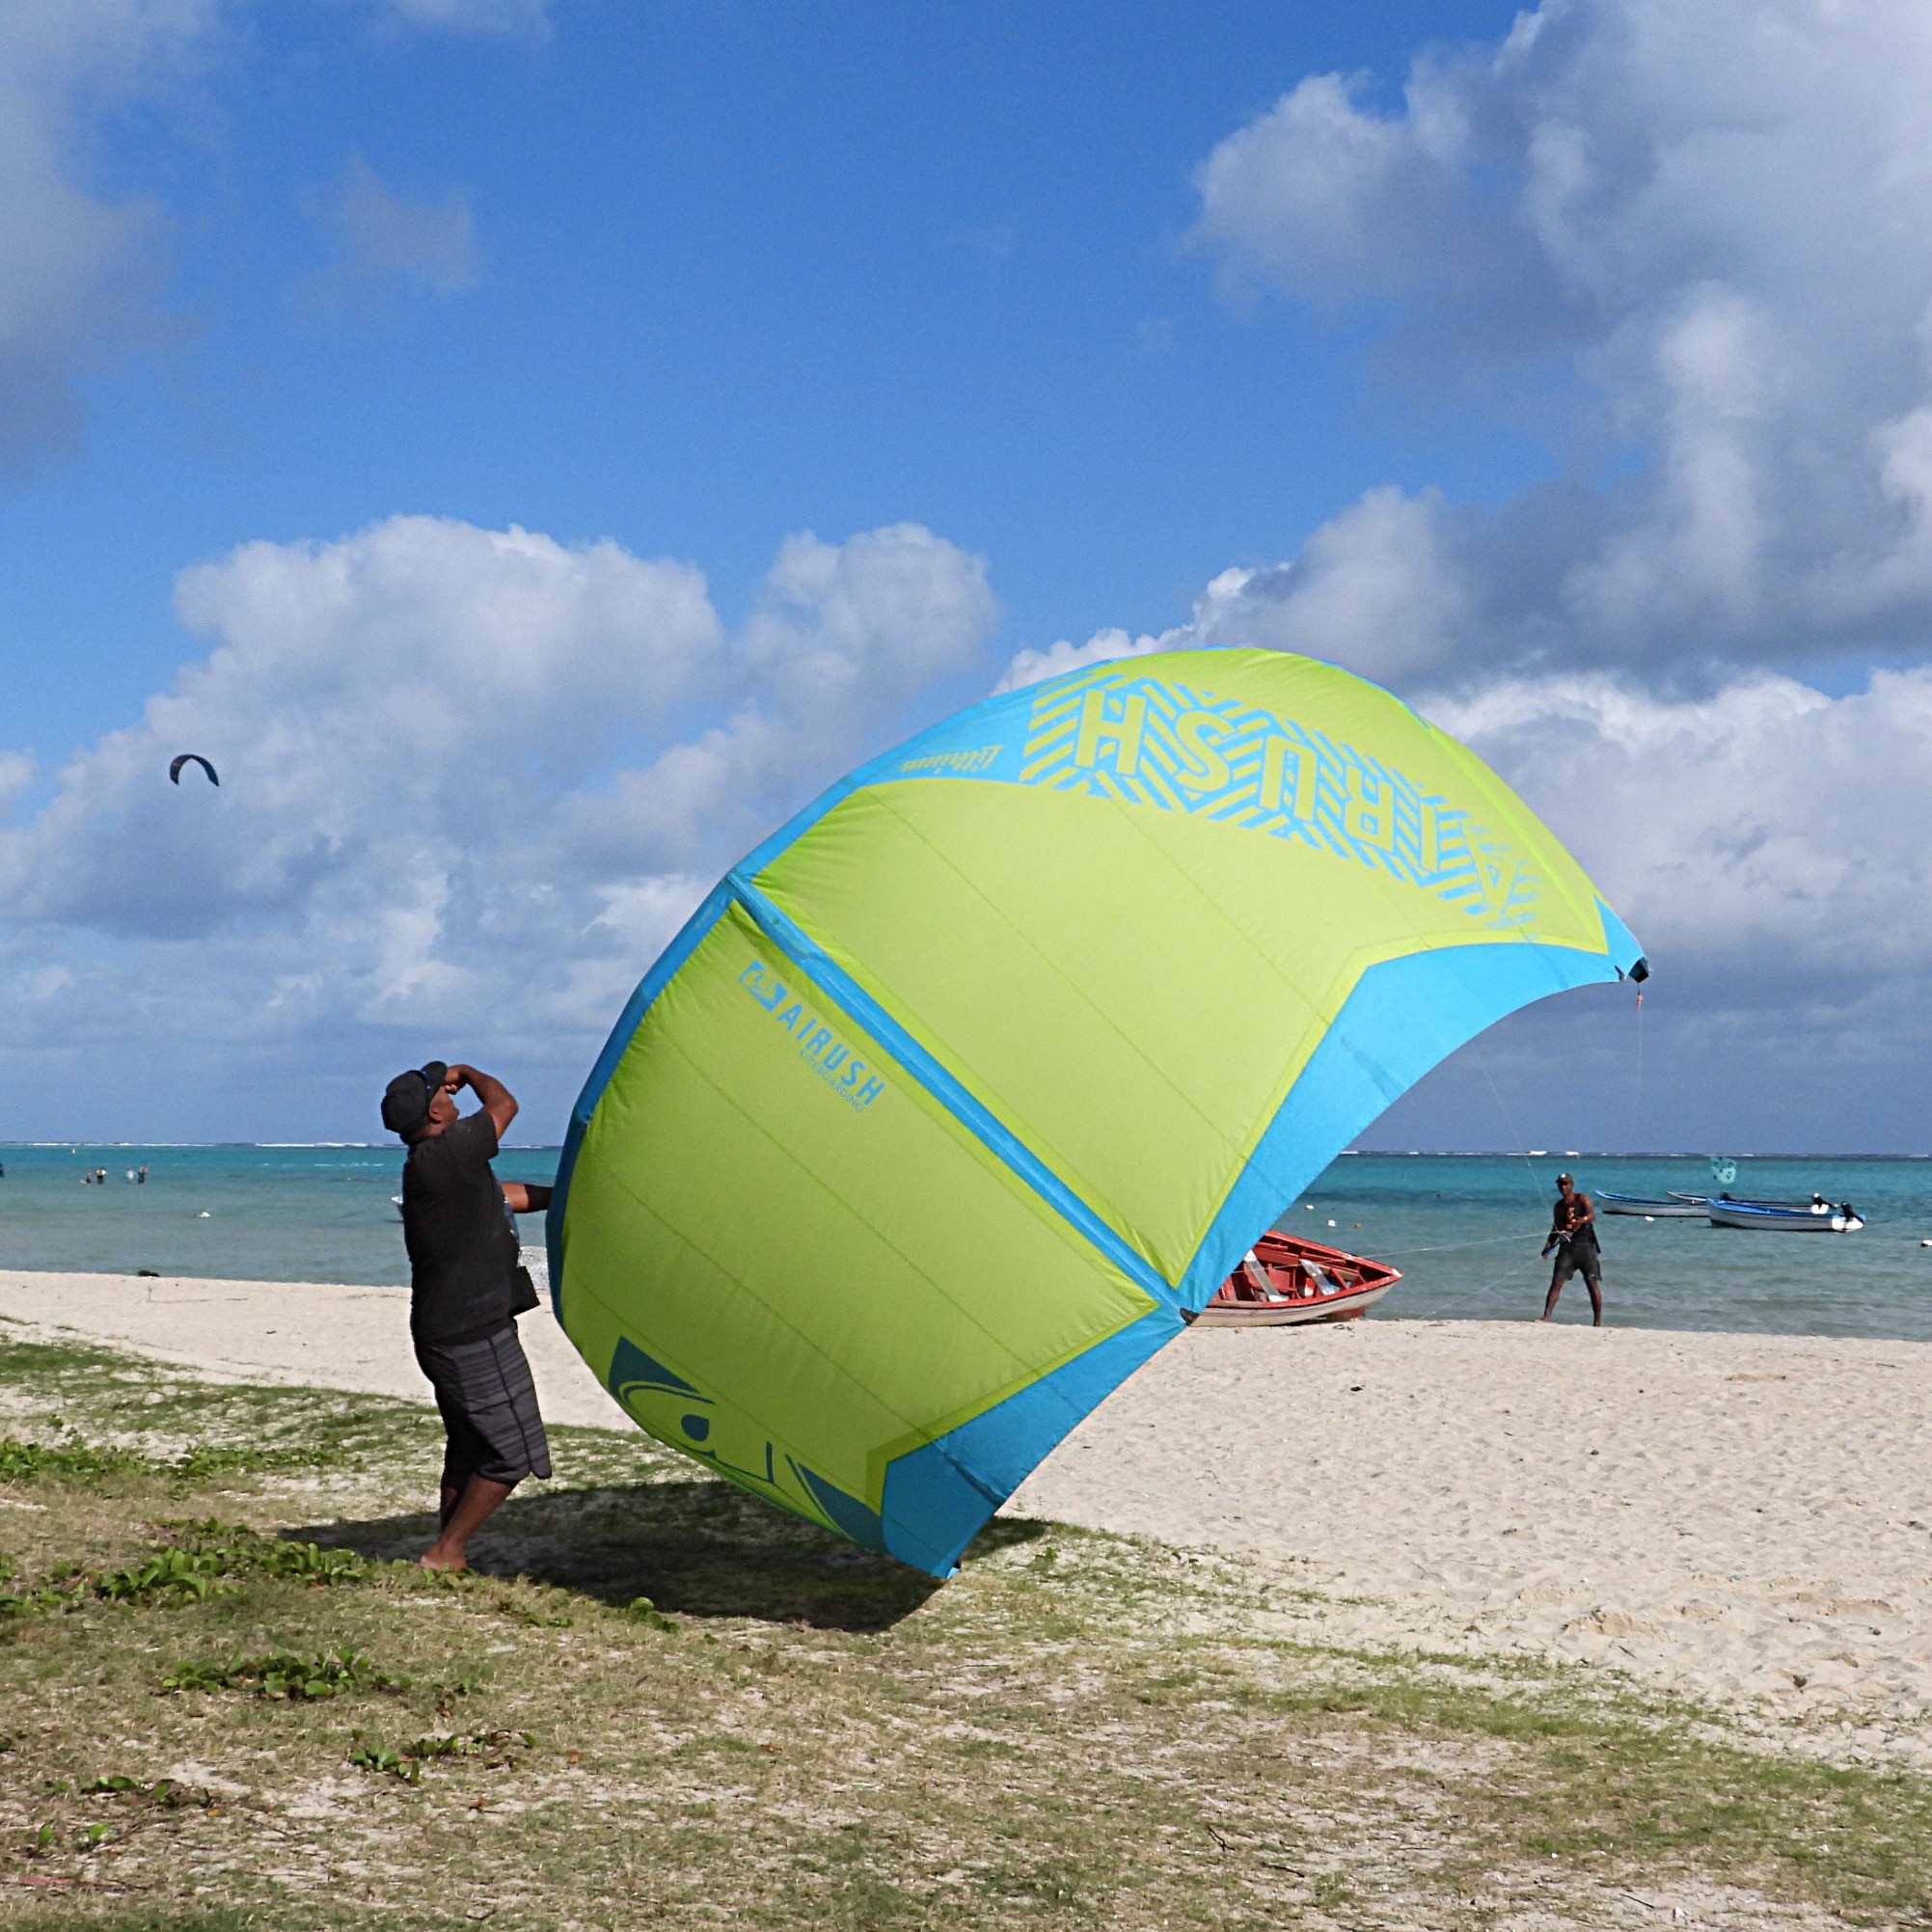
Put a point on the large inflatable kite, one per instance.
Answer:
(961, 1094)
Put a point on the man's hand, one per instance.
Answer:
(498, 1102)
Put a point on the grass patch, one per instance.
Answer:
(63, 1462)
(284, 1675)
(664, 1704)
(202, 1561)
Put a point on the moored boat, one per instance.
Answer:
(1671, 1208)
(1816, 1204)
(1777, 1219)
(1282, 1280)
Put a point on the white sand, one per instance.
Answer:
(1725, 1514)
(1728, 1513)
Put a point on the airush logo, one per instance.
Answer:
(819, 1047)
(1164, 745)
(951, 764)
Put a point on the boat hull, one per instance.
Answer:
(1782, 1220)
(1670, 1210)
(1292, 1282)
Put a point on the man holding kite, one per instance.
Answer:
(467, 1287)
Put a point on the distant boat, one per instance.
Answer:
(1673, 1208)
(1785, 1220)
(1816, 1204)
(1284, 1281)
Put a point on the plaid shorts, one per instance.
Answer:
(488, 1404)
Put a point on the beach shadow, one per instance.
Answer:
(704, 1549)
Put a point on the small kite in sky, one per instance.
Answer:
(192, 758)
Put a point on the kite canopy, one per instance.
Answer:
(964, 1089)
(191, 758)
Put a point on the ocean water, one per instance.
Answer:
(238, 1213)
(1464, 1228)
(1466, 1231)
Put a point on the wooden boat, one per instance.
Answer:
(1672, 1207)
(1284, 1280)
(1777, 1219)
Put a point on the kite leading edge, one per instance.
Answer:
(962, 1093)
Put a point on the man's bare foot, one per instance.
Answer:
(451, 1550)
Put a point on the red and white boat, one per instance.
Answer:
(1284, 1280)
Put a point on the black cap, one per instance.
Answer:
(1571, 1177)
(405, 1100)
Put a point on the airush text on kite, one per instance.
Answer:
(819, 1047)
(1185, 748)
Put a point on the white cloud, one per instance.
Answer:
(16, 773)
(1374, 589)
(468, 787)
(77, 269)
(380, 235)
(1684, 238)
(1029, 667)
(1766, 838)
(1766, 844)
(1677, 242)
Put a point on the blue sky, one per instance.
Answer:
(737, 271)
(492, 428)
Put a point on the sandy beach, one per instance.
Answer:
(1747, 1519)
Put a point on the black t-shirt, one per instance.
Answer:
(461, 1239)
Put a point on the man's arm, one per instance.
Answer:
(526, 1197)
(498, 1102)
(1588, 1214)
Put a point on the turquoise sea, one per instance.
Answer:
(1465, 1229)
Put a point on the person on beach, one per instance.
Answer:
(466, 1290)
(1573, 1241)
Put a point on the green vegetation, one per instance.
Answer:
(71, 1463)
(229, 1699)
(282, 1674)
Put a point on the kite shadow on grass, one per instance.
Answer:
(704, 1549)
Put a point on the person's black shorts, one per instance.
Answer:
(1582, 1258)
(489, 1410)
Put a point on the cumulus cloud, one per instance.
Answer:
(1765, 842)
(1685, 232)
(1767, 839)
(1374, 589)
(470, 783)
(381, 236)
